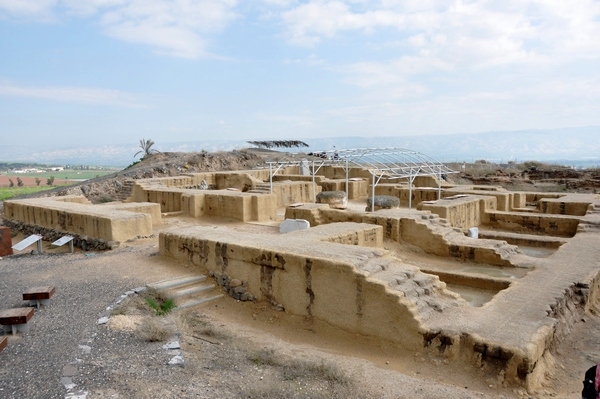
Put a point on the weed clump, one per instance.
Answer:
(160, 302)
(153, 330)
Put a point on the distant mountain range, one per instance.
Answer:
(575, 146)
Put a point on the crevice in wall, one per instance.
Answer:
(308, 279)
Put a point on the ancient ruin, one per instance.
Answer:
(473, 274)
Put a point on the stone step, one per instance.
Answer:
(187, 290)
(177, 282)
(198, 302)
(192, 290)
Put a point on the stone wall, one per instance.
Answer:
(73, 215)
(422, 229)
(463, 211)
(309, 273)
(531, 223)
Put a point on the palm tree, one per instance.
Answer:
(146, 146)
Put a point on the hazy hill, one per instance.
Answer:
(580, 144)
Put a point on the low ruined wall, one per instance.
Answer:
(460, 211)
(318, 179)
(169, 199)
(532, 223)
(289, 192)
(301, 280)
(419, 228)
(403, 192)
(231, 204)
(504, 199)
(69, 215)
(241, 181)
(563, 207)
(356, 188)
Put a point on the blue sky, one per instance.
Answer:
(115, 71)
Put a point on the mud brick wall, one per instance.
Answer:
(545, 224)
(463, 212)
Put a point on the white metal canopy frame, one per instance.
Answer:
(382, 163)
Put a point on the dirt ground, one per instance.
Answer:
(29, 181)
(250, 350)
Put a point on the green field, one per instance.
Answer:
(64, 174)
(9, 192)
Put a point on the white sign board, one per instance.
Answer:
(27, 242)
(62, 241)
(293, 224)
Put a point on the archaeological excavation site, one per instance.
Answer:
(377, 242)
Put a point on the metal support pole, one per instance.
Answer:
(270, 178)
(373, 194)
(410, 181)
(39, 245)
(347, 182)
(314, 184)
(439, 185)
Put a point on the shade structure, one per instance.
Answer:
(382, 163)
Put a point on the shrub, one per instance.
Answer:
(153, 330)
(19, 182)
(11, 183)
(50, 181)
(264, 357)
(384, 201)
(37, 181)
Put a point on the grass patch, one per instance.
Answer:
(69, 174)
(162, 307)
(10, 192)
(160, 301)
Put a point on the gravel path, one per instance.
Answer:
(64, 339)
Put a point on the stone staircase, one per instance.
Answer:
(263, 188)
(426, 292)
(125, 190)
(188, 291)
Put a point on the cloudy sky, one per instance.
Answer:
(102, 71)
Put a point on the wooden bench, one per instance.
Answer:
(39, 295)
(16, 319)
(3, 342)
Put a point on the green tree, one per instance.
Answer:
(11, 183)
(19, 182)
(50, 180)
(146, 148)
(37, 181)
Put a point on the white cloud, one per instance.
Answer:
(476, 33)
(73, 94)
(30, 9)
(179, 28)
